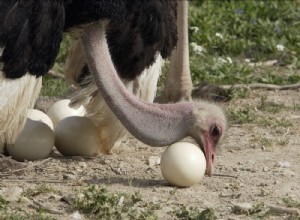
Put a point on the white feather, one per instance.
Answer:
(16, 97)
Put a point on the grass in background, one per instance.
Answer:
(55, 86)
(226, 35)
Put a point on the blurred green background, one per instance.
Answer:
(232, 41)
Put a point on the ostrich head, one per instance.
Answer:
(209, 125)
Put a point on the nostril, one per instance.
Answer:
(212, 158)
(216, 131)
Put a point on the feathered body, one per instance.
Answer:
(31, 32)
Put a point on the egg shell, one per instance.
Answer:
(37, 115)
(34, 142)
(76, 136)
(61, 109)
(183, 164)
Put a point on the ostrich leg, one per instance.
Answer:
(178, 86)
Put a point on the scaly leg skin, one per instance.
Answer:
(178, 86)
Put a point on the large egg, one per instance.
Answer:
(183, 164)
(76, 136)
(37, 115)
(34, 142)
(61, 109)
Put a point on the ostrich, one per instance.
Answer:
(178, 84)
(31, 31)
(31, 46)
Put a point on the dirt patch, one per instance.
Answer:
(261, 161)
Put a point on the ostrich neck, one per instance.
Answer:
(153, 124)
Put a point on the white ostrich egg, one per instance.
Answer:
(183, 164)
(33, 143)
(37, 115)
(61, 109)
(76, 136)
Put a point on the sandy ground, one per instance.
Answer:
(261, 164)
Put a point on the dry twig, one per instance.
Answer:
(225, 175)
(283, 210)
(262, 86)
(56, 75)
(32, 180)
(246, 208)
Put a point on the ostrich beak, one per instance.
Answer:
(210, 153)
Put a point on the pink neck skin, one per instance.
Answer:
(153, 124)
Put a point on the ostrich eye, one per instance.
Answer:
(216, 131)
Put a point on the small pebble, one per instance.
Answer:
(266, 169)
(153, 161)
(82, 165)
(76, 216)
(284, 164)
(107, 161)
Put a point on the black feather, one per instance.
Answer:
(149, 27)
(15, 37)
(80, 12)
(46, 24)
(31, 32)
